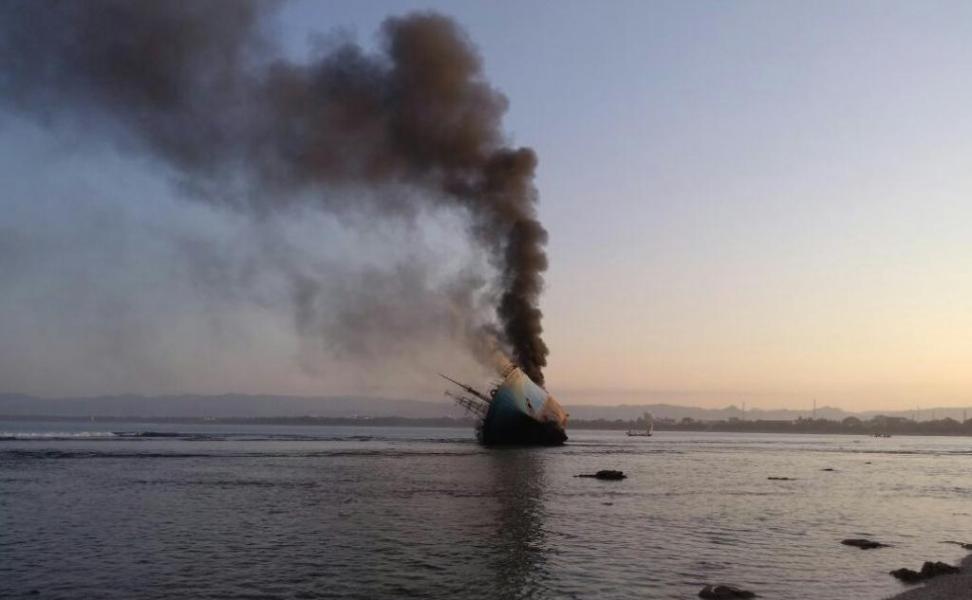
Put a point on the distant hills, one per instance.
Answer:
(223, 406)
(242, 405)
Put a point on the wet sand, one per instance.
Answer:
(946, 587)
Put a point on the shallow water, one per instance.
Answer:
(230, 511)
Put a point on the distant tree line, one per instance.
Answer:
(879, 425)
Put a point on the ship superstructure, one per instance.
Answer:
(516, 411)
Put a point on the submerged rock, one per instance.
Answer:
(906, 575)
(605, 474)
(863, 544)
(928, 570)
(724, 592)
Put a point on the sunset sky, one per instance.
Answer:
(769, 200)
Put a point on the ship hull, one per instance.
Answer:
(522, 413)
(520, 430)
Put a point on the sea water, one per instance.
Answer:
(143, 510)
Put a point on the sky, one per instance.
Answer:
(760, 200)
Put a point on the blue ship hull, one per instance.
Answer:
(521, 412)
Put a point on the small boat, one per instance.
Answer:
(647, 431)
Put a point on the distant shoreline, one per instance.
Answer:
(802, 426)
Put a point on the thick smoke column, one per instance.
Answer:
(201, 85)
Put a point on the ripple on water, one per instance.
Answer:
(334, 514)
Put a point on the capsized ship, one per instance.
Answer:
(516, 411)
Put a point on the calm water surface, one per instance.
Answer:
(228, 511)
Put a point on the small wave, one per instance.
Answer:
(48, 454)
(56, 435)
(229, 483)
(94, 435)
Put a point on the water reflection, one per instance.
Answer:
(519, 566)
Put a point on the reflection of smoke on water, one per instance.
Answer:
(519, 567)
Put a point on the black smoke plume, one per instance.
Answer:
(202, 85)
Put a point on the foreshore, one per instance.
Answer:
(946, 587)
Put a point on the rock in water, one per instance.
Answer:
(863, 544)
(906, 575)
(928, 570)
(724, 592)
(934, 569)
(605, 474)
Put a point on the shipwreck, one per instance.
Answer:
(515, 411)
